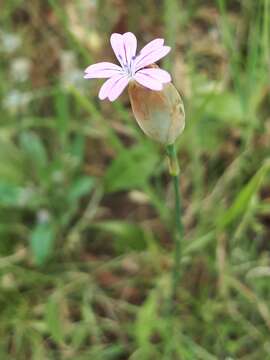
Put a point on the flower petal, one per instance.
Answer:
(101, 70)
(158, 74)
(152, 56)
(113, 87)
(154, 44)
(130, 44)
(118, 88)
(117, 46)
(124, 47)
(148, 81)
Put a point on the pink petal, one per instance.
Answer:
(157, 74)
(149, 58)
(124, 47)
(130, 44)
(118, 88)
(101, 70)
(113, 87)
(148, 81)
(154, 44)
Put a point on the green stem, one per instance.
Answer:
(174, 172)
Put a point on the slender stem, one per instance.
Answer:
(174, 172)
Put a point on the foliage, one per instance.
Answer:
(85, 198)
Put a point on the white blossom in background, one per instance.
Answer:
(70, 73)
(26, 196)
(20, 69)
(16, 100)
(9, 42)
(43, 216)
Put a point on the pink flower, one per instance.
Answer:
(133, 67)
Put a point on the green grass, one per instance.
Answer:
(86, 202)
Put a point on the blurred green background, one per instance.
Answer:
(86, 203)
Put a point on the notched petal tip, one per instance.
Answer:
(113, 87)
(101, 94)
(102, 70)
(153, 78)
(152, 45)
(168, 79)
(129, 33)
(166, 50)
(124, 47)
(113, 35)
(151, 56)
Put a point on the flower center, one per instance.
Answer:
(128, 67)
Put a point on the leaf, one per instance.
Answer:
(146, 320)
(77, 147)
(241, 203)
(225, 106)
(34, 149)
(41, 241)
(127, 236)
(10, 194)
(131, 169)
(17, 196)
(11, 162)
(198, 244)
(80, 187)
(53, 318)
(62, 112)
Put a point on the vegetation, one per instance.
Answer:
(86, 201)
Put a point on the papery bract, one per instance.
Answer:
(160, 114)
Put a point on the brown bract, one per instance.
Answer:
(160, 114)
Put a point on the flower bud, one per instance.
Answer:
(160, 114)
